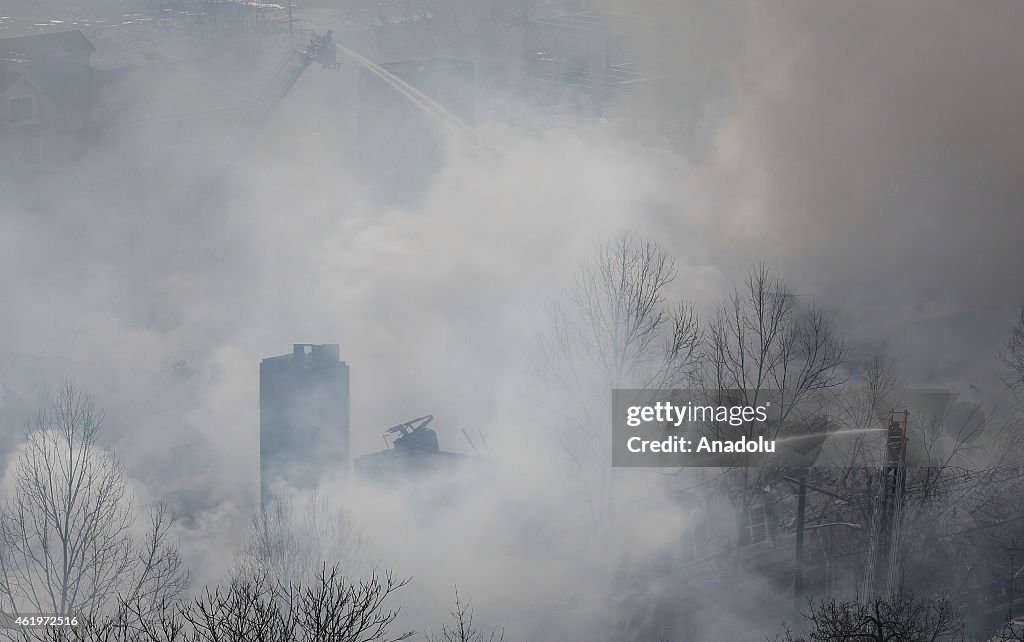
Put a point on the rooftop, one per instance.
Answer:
(60, 43)
(7, 79)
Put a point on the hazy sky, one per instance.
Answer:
(872, 153)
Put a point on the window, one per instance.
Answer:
(21, 109)
(757, 524)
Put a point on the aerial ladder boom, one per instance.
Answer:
(881, 573)
(288, 71)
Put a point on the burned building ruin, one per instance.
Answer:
(304, 419)
(414, 450)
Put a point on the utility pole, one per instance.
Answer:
(1012, 548)
(801, 515)
(802, 528)
(291, 39)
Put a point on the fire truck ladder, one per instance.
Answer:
(881, 574)
(288, 71)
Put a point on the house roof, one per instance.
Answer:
(57, 44)
(8, 78)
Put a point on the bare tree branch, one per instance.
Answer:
(66, 545)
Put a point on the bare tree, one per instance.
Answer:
(329, 609)
(764, 344)
(1011, 632)
(616, 330)
(904, 618)
(66, 543)
(866, 402)
(289, 541)
(621, 325)
(962, 481)
(254, 608)
(765, 348)
(464, 627)
(1012, 355)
